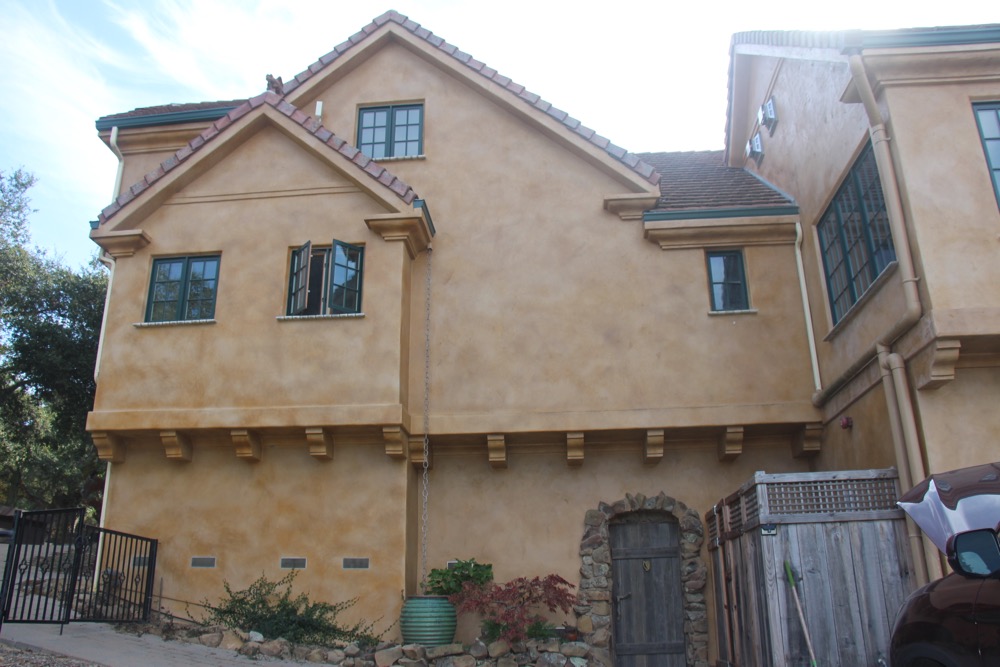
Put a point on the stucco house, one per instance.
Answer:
(402, 251)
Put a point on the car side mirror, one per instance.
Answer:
(975, 553)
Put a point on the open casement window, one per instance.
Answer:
(325, 280)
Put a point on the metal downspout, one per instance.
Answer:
(914, 536)
(806, 308)
(109, 262)
(906, 444)
(121, 161)
(911, 439)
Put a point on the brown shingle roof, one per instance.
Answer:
(701, 180)
(218, 128)
(172, 108)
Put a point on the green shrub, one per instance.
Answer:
(449, 581)
(273, 613)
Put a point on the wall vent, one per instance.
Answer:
(293, 563)
(140, 561)
(203, 561)
(356, 564)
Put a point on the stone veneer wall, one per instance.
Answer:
(594, 609)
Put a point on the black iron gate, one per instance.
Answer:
(59, 570)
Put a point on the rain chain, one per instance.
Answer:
(427, 418)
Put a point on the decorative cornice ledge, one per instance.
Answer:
(630, 206)
(247, 444)
(708, 233)
(574, 449)
(653, 449)
(731, 443)
(397, 442)
(177, 446)
(496, 447)
(123, 243)
(110, 446)
(809, 441)
(410, 228)
(320, 442)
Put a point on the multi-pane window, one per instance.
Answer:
(988, 118)
(325, 279)
(854, 236)
(727, 280)
(391, 131)
(183, 288)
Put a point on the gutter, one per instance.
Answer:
(168, 118)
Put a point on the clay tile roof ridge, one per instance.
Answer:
(278, 102)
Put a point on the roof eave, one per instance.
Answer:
(171, 118)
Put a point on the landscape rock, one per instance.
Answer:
(388, 656)
(212, 639)
(435, 652)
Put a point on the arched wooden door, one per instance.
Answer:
(648, 599)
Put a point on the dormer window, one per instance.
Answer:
(391, 131)
(755, 148)
(767, 116)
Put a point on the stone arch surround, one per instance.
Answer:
(593, 611)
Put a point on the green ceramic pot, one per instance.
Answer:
(429, 620)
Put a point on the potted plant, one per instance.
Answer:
(431, 619)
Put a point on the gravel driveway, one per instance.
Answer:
(11, 656)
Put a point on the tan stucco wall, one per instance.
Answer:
(866, 443)
(527, 519)
(252, 217)
(950, 198)
(249, 516)
(961, 425)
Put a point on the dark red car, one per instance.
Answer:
(954, 621)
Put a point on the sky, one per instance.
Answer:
(650, 75)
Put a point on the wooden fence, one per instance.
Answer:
(845, 541)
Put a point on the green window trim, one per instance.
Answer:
(391, 131)
(727, 280)
(183, 288)
(988, 122)
(855, 239)
(325, 280)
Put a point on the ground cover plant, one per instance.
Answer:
(270, 608)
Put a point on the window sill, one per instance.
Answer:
(171, 323)
(859, 305)
(749, 311)
(401, 158)
(332, 316)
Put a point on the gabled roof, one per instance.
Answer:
(517, 91)
(701, 180)
(225, 124)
